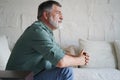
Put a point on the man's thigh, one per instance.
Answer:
(55, 74)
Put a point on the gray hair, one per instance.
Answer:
(46, 6)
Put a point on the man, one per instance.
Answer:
(37, 51)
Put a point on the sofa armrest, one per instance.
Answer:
(16, 75)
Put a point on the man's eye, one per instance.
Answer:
(57, 12)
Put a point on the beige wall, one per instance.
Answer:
(87, 19)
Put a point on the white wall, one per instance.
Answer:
(87, 19)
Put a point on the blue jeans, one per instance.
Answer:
(55, 74)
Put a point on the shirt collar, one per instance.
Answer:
(44, 26)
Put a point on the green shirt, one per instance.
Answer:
(35, 50)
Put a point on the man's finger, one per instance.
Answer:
(82, 51)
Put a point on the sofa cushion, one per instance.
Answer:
(70, 50)
(101, 53)
(4, 52)
(117, 48)
(96, 74)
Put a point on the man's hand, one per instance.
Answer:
(74, 60)
(83, 57)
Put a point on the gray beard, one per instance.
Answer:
(53, 23)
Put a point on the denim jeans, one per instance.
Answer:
(55, 74)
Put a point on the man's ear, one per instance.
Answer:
(45, 14)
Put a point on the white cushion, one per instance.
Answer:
(101, 53)
(4, 52)
(96, 74)
(117, 48)
(70, 50)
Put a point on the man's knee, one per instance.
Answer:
(67, 70)
(67, 73)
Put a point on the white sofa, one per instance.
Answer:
(4, 52)
(104, 59)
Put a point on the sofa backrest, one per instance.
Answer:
(4, 52)
(102, 53)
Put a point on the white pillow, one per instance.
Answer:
(70, 50)
(117, 48)
(101, 54)
(4, 52)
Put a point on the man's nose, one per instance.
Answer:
(61, 17)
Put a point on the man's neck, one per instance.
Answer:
(47, 24)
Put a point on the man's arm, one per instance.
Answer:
(69, 60)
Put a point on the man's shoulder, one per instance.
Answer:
(34, 26)
(39, 25)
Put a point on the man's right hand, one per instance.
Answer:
(83, 57)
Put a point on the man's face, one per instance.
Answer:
(55, 16)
